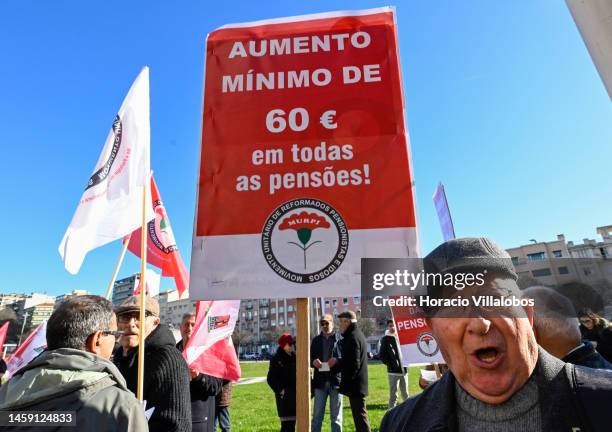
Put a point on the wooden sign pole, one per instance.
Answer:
(303, 366)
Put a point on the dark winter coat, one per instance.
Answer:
(390, 356)
(587, 356)
(353, 364)
(570, 397)
(602, 334)
(281, 379)
(203, 390)
(166, 381)
(67, 379)
(316, 352)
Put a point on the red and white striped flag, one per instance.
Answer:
(3, 332)
(210, 349)
(28, 350)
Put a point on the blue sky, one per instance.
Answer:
(503, 105)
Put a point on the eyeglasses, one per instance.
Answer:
(127, 317)
(116, 333)
(324, 323)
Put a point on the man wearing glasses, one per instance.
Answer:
(325, 382)
(166, 376)
(74, 375)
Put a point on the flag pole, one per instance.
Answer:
(143, 290)
(303, 365)
(117, 267)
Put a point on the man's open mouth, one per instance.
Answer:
(487, 357)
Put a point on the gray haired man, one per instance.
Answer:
(75, 374)
(557, 329)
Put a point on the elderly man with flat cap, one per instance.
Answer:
(166, 375)
(499, 379)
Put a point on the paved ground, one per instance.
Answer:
(251, 380)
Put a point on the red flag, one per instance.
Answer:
(210, 349)
(162, 251)
(28, 350)
(3, 332)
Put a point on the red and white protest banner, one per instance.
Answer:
(210, 349)
(417, 342)
(305, 164)
(28, 350)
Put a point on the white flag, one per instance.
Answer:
(152, 281)
(28, 350)
(111, 206)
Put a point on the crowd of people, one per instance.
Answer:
(90, 367)
(525, 368)
(535, 368)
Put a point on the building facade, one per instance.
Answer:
(124, 288)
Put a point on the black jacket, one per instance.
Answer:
(353, 365)
(587, 356)
(390, 356)
(203, 390)
(166, 381)
(281, 379)
(570, 397)
(602, 334)
(316, 352)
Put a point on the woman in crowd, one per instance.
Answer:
(597, 330)
(281, 378)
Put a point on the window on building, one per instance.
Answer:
(563, 270)
(290, 321)
(281, 322)
(327, 303)
(356, 300)
(345, 300)
(541, 272)
(538, 256)
(281, 309)
(604, 252)
(334, 302)
(255, 313)
(273, 322)
(557, 254)
(289, 308)
(273, 310)
(515, 261)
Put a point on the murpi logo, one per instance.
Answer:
(304, 240)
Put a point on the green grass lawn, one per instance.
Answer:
(253, 407)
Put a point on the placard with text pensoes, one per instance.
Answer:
(305, 165)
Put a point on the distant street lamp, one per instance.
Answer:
(534, 241)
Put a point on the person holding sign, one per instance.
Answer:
(352, 364)
(282, 380)
(325, 382)
(498, 379)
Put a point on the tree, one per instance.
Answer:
(367, 326)
(582, 296)
(244, 337)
